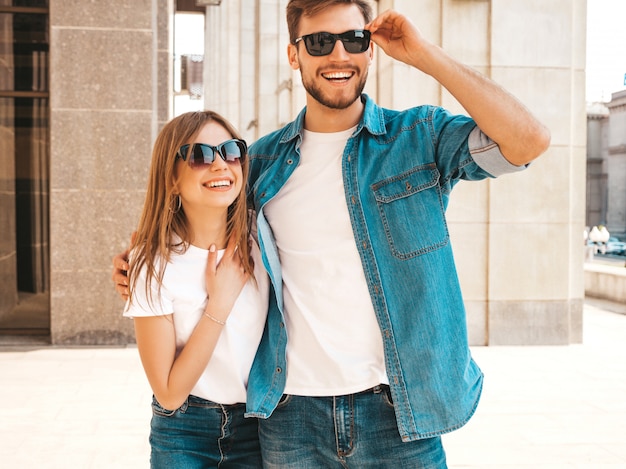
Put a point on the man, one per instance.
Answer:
(365, 361)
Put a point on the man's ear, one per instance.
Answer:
(292, 55)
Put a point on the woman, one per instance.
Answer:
(198, 295)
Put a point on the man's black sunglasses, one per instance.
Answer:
(319, 44)
(200, 155)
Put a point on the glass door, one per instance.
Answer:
(24, 169)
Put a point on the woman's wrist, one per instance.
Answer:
(214, 319)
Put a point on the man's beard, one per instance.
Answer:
(340, 102)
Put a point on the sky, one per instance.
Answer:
(606, 48)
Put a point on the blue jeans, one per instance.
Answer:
(203, 434)
(352, 431)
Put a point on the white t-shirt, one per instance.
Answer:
(334, 342)
(183, 294)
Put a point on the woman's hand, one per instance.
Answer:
(224, 281)
(120, 274)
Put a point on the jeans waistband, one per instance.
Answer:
(374, 390)
(199, 401)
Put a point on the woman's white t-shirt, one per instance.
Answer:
(183, 294)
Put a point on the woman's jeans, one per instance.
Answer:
(352, 431)
(203, 434)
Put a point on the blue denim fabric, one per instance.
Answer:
(399, 168)
(202, 434)
(354, 431)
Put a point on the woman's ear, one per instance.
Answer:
(292, 55)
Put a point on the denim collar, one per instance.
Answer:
(372, 119)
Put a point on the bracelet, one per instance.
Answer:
(221, 323)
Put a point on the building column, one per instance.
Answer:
(104, 94)
(517, 239)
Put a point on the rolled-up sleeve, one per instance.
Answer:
(488, 156)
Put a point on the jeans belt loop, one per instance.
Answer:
(183, 408)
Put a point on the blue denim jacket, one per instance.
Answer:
(398, 168)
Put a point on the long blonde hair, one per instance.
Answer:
(162, 217)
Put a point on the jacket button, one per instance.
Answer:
(289, 161)
(279, 370)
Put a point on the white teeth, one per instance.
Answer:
(337, 75)
(222, 183)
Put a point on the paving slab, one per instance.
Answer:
(543, 407)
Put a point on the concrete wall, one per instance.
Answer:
(605, 282)
(516, 239)
(109, 92)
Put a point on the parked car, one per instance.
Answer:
(615, 246)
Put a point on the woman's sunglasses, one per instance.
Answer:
(201, 155)
(319, 44)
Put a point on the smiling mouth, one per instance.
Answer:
(221, 183)
(338, 76)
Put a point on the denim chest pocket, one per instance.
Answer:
(412, 211)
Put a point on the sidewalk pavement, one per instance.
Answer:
(552, 407)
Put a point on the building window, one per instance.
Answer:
(25, 160)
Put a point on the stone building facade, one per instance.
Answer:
(516, 239)
(597, 153)
(616, 165)
(606, 164)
